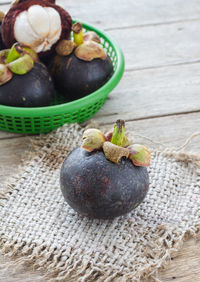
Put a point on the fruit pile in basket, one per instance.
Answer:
(38, 57)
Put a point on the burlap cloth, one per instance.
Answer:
(40, 228)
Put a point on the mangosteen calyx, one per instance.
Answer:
(93, 139)
(89, 46)
(86, 47)
(65, 47)
(116, 145)
(17, 60)
(91, 36)
(114, 153)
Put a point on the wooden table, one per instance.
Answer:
(159, 95)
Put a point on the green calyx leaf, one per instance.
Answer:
(22, 65)
(17, 60)
(93, 139)
(3, 55)
(113, 152)
(139, 155)
(14, 53)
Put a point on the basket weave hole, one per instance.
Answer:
(102, 41)
(106, 45)
(74, 116)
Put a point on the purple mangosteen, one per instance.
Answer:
(105, 178)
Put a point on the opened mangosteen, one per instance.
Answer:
(24, 81)
(81, 66)
(38, 24)
(106, 177)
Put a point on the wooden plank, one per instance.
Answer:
(117, 13)
(7, 135)
(107, 14)
(185, 265)
(153, 92)
(161, 45)
(18, 275)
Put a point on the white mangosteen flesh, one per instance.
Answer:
(38, 28)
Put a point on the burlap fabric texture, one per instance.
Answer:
(39, 227)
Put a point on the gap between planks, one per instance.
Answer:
(150, 117)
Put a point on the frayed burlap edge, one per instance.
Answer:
(39, 258)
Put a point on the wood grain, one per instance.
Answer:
(117, 14)
(120, 14)
(18, 275)
(9, 135)
(160, 45)
(153, 93)
(185, 265)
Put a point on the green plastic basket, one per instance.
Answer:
(44, 119)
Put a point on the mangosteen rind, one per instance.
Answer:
(33, 89)
(75, 78)
(98, 188)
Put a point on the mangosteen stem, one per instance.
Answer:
(118, 133)
(77, 33)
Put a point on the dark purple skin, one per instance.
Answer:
(75, 78)
(2, 46)
(33, 89)
(95, 187)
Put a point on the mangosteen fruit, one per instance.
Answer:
(105, 179)
(24, 81)
(80, 66)
(37, 24)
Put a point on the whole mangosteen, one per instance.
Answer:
(80, 66)
(38, 24)
(105, 177)
(24, 81)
